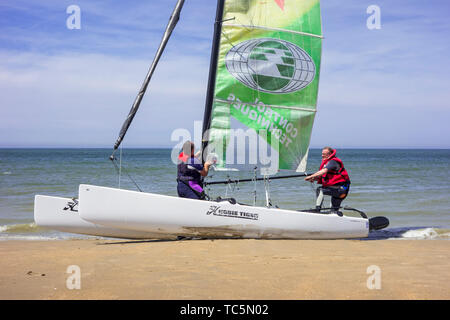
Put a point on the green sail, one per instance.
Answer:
(267, 78)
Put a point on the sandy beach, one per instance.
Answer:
(225, 269)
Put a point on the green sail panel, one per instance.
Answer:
(267, 79)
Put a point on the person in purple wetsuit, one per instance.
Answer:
(190, 173)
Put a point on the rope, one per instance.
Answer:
(120, 166)
(313, 192)
(119, 171)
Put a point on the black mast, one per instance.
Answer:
(212, 73)
(170, 26)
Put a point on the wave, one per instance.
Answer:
(410, 233)
(427, 233)
(32, 232)
(28, 237)
(20, 228)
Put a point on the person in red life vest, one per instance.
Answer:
(190, 173)
(334, 179)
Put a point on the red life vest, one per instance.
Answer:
(333, 177)
(184, 172)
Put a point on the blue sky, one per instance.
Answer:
(74, 88)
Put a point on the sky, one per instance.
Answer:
(61, 87)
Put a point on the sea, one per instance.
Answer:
(408, 186)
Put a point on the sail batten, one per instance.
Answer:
(268, 105)
(272, 29)
(266, 83)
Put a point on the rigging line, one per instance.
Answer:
(120, 165)
(227, 187)
(231, 43)
(228, 39)
(254, 191)
(313, 192)
(119, 169)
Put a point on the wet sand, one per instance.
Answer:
(226, 269)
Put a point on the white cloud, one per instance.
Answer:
(83, 99)
(62, 87)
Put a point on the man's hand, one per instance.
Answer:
(317, 175)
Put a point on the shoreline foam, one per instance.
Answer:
(30, 231)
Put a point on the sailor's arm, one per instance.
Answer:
(316, 175)
(205, 170)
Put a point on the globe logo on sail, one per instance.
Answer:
(271, 65)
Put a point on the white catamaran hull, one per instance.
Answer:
(130, 214)
(49, 212)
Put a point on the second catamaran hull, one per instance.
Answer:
(166, 215)
(54, 213)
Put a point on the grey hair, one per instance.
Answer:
(187, 148)
(330, 149)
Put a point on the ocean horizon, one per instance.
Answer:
(405, 185)
(170, 147)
